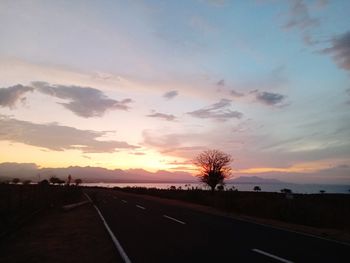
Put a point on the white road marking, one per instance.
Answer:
(114, 239)
(174, 219)
(271, 256)
(124, 201)
(141, 207)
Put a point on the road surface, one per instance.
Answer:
(153, 231)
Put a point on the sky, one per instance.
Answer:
(150, 84)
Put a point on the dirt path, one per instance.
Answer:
(57, 236)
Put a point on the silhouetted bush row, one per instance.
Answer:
(318, 210)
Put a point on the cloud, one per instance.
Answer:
(171, 94)
(340, 50)
(167, 117)
(218, 111)
(269, 98)
(84, 101)
(221, 83)
(9, 96)
(56, 137)
(236, 94)
(299, 16)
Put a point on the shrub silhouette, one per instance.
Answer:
(257, 188)
(16, 180)
(27, 182)
(286, 191)
(78, 181)
(213, 167)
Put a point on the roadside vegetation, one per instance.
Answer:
(317, 210)
(21, 200)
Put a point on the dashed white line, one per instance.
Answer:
(174, 219)
(114, 239)
(141, 207)
(271, 256)
(124, 201)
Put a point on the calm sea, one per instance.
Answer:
(296, 188)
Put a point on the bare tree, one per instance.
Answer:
(213, 167)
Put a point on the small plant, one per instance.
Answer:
(220, 187)
(27, 182)
(78, 181)
(16, 180)
(257, 188)
(286, 191)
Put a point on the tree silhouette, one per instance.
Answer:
(257, 188)
(213, 167)
(15, 180)
(55, 180)
(286, 191)
(78, 181)
(27, 182)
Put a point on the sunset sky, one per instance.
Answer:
(150, 84)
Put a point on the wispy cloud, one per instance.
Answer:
(299, 16)
(219, 111)
(236, 94)
(57, 137)
(340, 50)
(171, 94)
(167, 117)
(11, 95)
(84, 101)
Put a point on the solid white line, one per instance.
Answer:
(141, 207)
(271, 256)
(114, 239)
(174, 219)
(124, 201)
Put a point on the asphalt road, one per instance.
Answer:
(151, 231)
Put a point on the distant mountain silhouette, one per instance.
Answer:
(254, 180)
(93, 174)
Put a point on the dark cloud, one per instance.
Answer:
(340, 50)
(269, 98)
(83, 101)
(218, 111)
(171, 94)
(56, 137)
(9, 96)
(167, 117)
(299, 16)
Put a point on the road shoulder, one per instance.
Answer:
(76, 235)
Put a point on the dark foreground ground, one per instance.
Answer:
(153, 229)
(57, 236)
